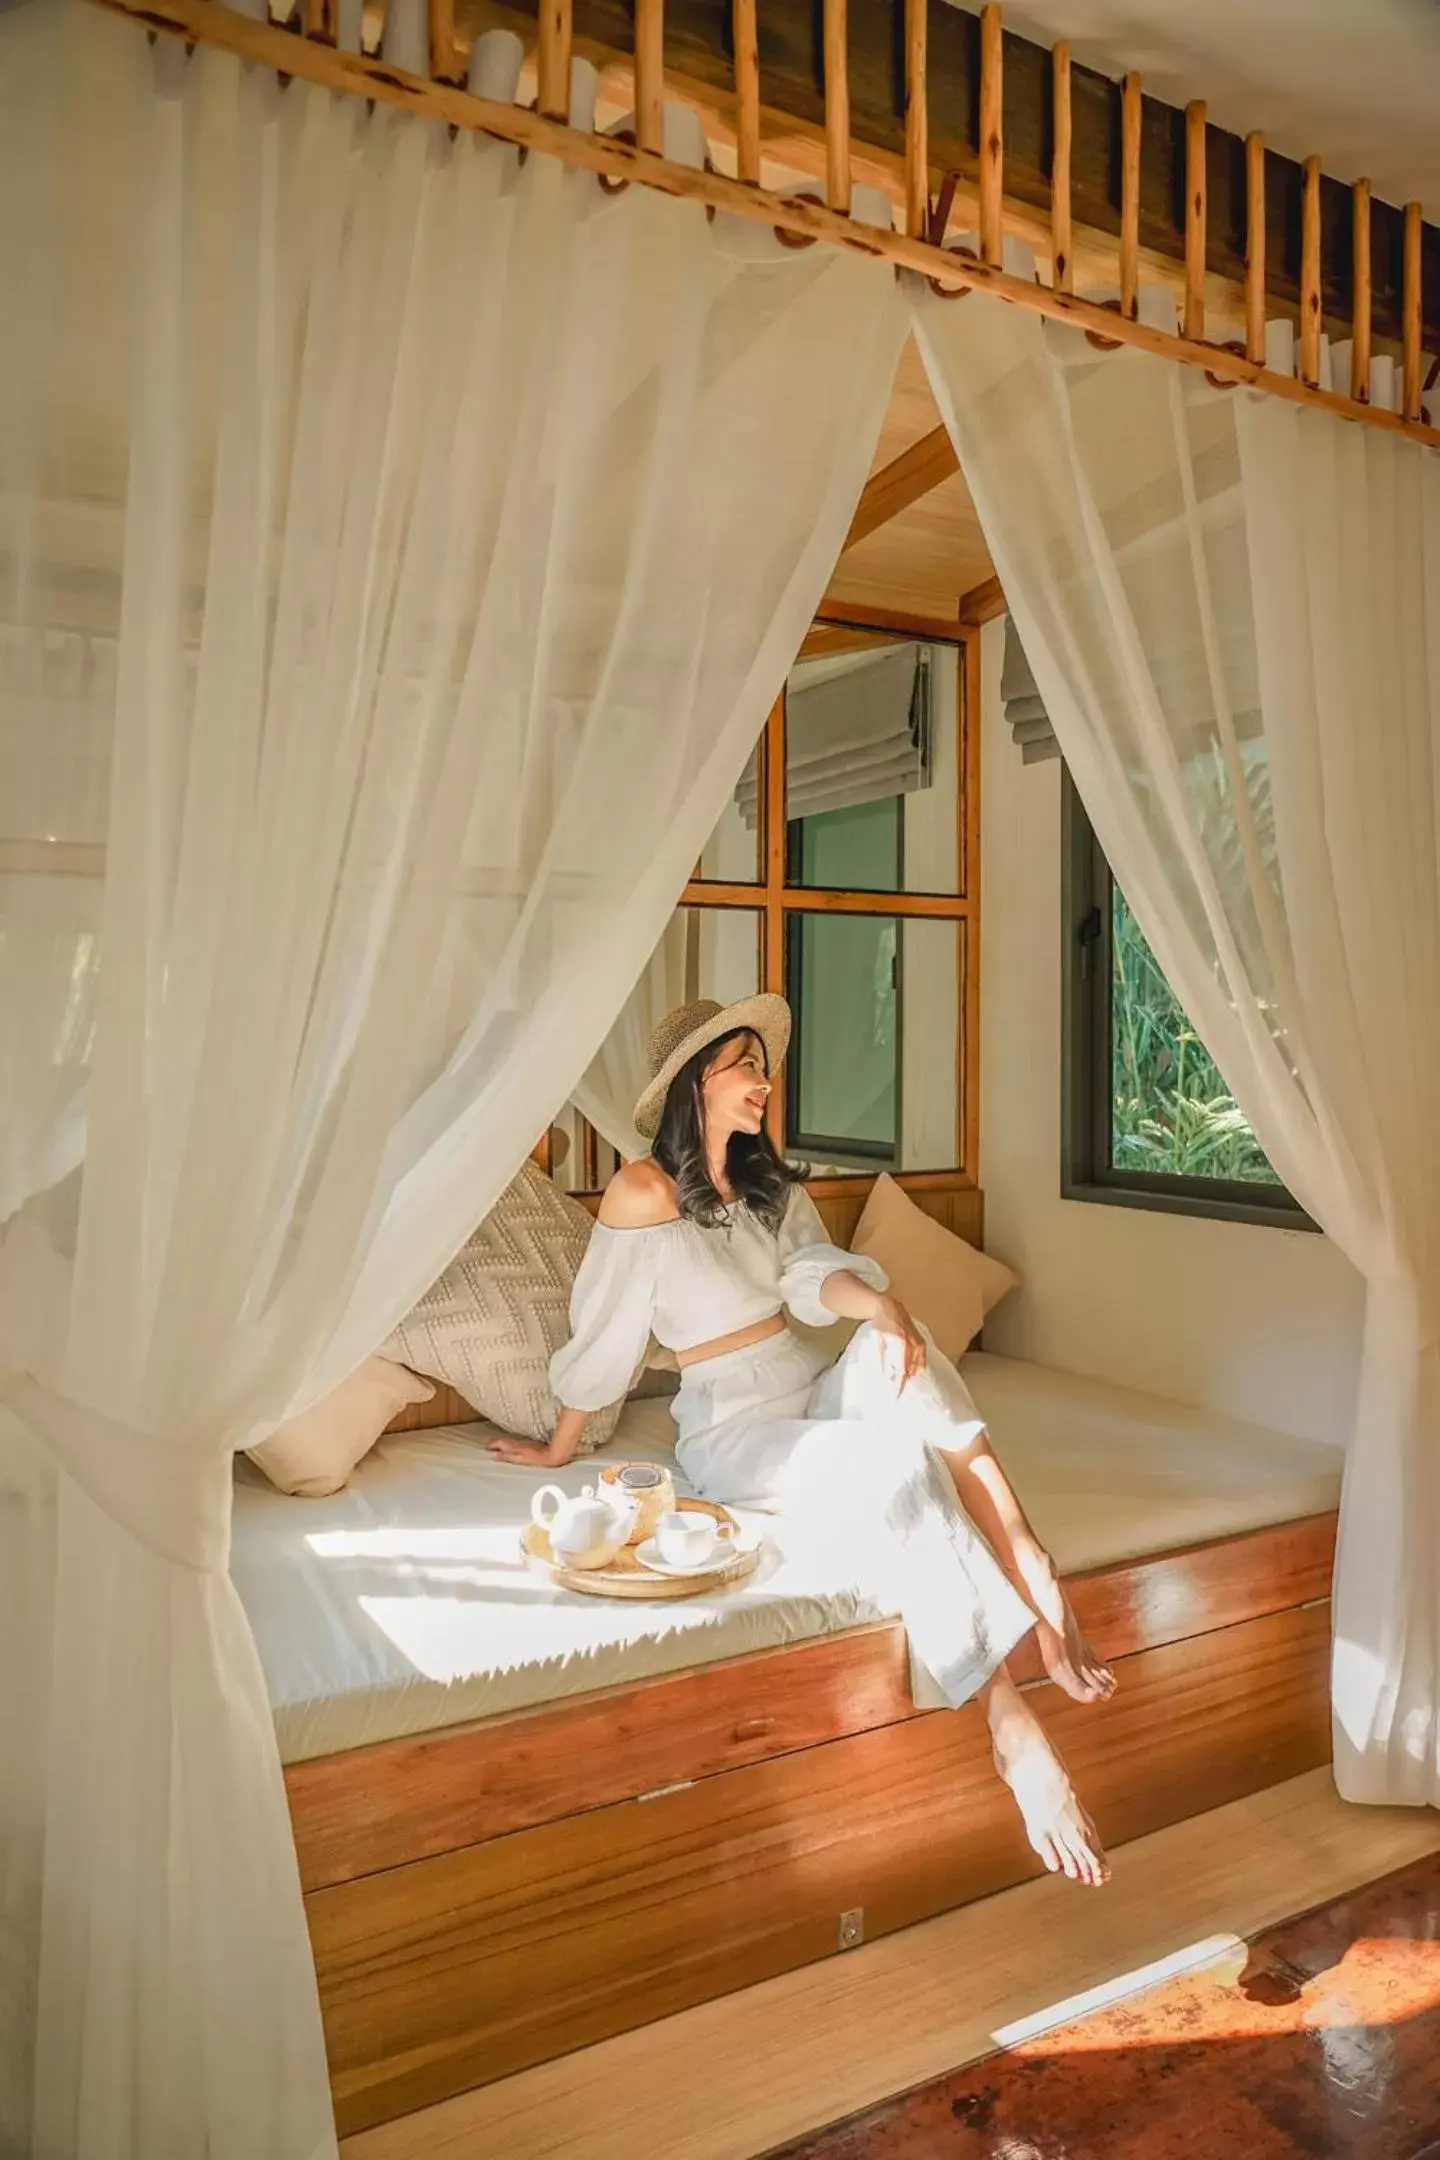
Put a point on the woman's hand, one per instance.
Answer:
(552, 1454)
(892, 1318)
(529, 1454)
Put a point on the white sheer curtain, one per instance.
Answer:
(400, 547)
(617, 1075)
(1232, 609)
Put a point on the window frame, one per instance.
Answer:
(1086, 1171)
(778, 901)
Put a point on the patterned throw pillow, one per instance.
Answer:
(489, 1327)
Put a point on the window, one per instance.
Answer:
(1147, 1119)
(841, 873)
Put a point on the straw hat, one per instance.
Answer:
(690, 1027)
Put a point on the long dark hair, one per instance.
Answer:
(760, 1178)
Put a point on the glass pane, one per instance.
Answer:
(735, 851)
(1172, 1114)
(872, 757)
(872, 1080)
(705, 952)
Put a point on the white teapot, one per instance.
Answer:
(584, 1532)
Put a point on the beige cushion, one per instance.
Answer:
(944, 1282)
(491, 1324)
(313, 1454)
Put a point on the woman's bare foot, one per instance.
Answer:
(1056, 1824)
(1064, 1650)
(1070, 1661)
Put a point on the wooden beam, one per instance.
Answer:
(837, 106)
(1195, 199)
(917, 119)
(858, 615)
(925, 465)
(552, 59)
(983, 603)
(208, 22)
(992, 134)
(650, 76)
(1360, 345)
(1130, 118)
(1062, 246)
(1310, 302)
(1413, 315)
(443, 48)
(747, 93)
(1255, 249)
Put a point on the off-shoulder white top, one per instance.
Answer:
(685, 1285)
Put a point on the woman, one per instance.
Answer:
(702, 1244)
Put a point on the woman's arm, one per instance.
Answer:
(611, 1306)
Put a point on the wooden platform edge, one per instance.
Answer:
(467, 1967)
(418, 1796)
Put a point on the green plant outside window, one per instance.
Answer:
(1171, 1113)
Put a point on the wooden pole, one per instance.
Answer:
(1310, 273)
(1195, 219)
(1255, 249)
(992, 135)
(917, 131)
(650, 75)
(444, 51)
(1130, 197)
(1410, 317)
(837, 107)
(1062, 245)
(1360, 293)
(747, 92)
(552, 58)
(322, 20)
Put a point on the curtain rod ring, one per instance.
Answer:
(607, 182)
(1226, 382)
(1105, 344)
(954, 292)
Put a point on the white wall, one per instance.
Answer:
(1261, 1324)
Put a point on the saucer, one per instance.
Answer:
(649, 1556)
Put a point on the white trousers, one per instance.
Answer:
(779, 1426)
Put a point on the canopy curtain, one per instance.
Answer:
(1231, 606)
(401, 545)
(619, 1072)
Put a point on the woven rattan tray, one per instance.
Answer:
(626, 1578)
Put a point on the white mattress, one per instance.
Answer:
(402, 1604)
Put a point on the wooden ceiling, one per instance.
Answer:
(915, 545)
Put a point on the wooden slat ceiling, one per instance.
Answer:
(922, 559)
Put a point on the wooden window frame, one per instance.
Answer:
(776, 900)
(1086, 1171)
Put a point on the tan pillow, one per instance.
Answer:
(491, 1324)
(945, 1283)
(313, 1454)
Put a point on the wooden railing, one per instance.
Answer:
(308, 50)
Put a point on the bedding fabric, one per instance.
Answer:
(401, 1604)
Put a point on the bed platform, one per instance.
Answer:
(525, 1859)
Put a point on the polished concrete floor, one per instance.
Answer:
(1321, 2042)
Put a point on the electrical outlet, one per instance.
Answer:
(852, 1928)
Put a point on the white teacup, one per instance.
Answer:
(686, 1538)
